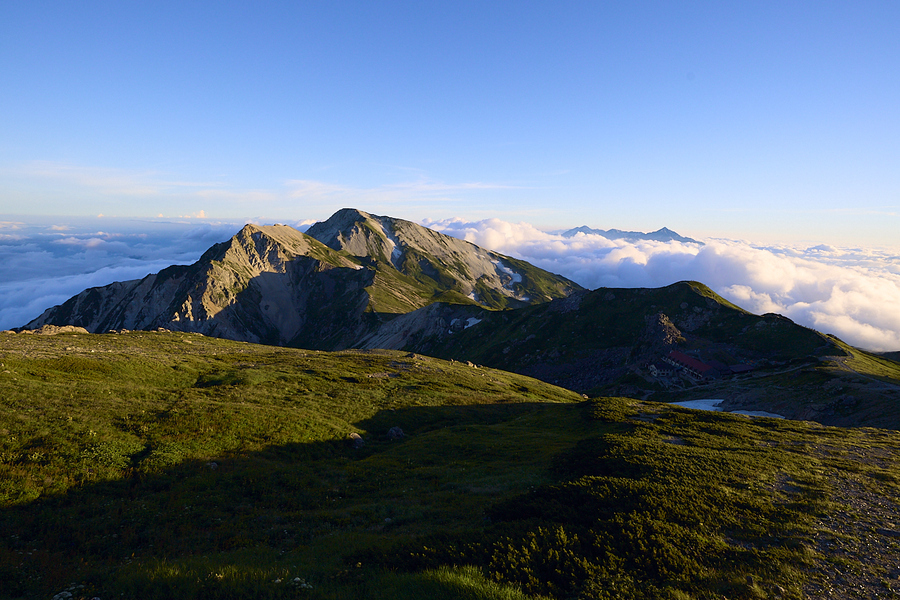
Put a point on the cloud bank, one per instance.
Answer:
(44, 263)
(853, 293)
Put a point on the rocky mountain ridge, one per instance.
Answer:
(276, 285)
(265, 284)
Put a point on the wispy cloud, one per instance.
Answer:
(102, 188)
(405, 190)
(200, 214)
(106, 180)
(868, 211)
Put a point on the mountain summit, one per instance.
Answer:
(443, 264)
(324, 289)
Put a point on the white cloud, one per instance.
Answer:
(303, 225)
(41, 267)
(853, 293)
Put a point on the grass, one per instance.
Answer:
(870, 364)
(657, 502)
(160, 465)
(612, 319)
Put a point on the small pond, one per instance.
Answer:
(713, 404)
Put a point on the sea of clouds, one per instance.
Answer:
(44, 262)
(853, 293)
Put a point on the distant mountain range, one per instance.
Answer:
(661, 235)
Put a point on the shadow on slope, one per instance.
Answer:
(306, 305)
(233, 524)
(611, 498)
(161, 465)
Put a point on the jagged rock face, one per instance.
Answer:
(266, 284)
(359, 233)
(441, 261)
(275, 285)
(273, 281)
(661, 332)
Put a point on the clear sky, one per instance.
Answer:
(768, 121)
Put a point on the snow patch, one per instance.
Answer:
(515, 277)
(393, 243)
(472, 321)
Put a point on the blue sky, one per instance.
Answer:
(767, 121)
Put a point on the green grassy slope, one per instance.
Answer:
(160, 465)
(606, 329)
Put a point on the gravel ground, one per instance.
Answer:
(859, 540)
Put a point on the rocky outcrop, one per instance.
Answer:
(54, 330)
(661, 334)
(266, 284)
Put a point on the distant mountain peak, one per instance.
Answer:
(660, 235)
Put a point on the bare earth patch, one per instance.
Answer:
(859, 540)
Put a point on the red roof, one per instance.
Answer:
(689, 362)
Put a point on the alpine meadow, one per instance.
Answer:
(373, 409)
(470, 300)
